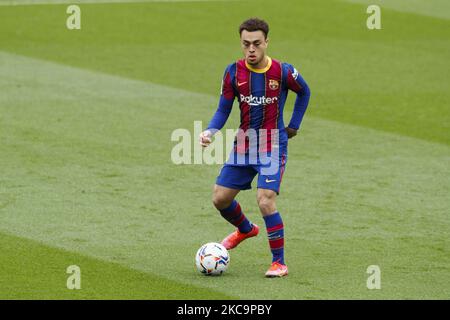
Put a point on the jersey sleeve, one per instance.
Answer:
(296, 83)
(227, 95)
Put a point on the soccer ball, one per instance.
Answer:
(212, 259)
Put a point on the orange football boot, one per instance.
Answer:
(237, 237)
(277, 270)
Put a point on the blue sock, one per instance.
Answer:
(275, 233)
(234, 215)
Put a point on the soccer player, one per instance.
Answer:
(260, 85)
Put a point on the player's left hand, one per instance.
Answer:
(291, 132)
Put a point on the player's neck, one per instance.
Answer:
(263, 63)
(262, 66)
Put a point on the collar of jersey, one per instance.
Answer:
(269, 64)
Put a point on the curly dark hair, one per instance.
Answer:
(254, 24)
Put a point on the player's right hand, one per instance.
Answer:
(205, 138)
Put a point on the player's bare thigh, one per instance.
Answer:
(266, 199)
(223, 196)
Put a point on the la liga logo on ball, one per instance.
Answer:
(212, 259)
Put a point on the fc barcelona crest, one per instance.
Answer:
(273, 84)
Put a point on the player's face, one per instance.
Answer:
(254, 46)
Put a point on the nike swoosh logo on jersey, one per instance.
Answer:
(241, 83)
(269, 181)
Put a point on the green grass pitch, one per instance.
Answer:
(86, 178)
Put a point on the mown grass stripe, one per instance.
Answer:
(33, 270)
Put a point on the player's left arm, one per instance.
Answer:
(296, 83)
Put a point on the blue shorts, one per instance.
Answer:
(241, 176)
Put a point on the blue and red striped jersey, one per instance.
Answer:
(261, 94)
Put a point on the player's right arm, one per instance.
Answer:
(227, 95)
